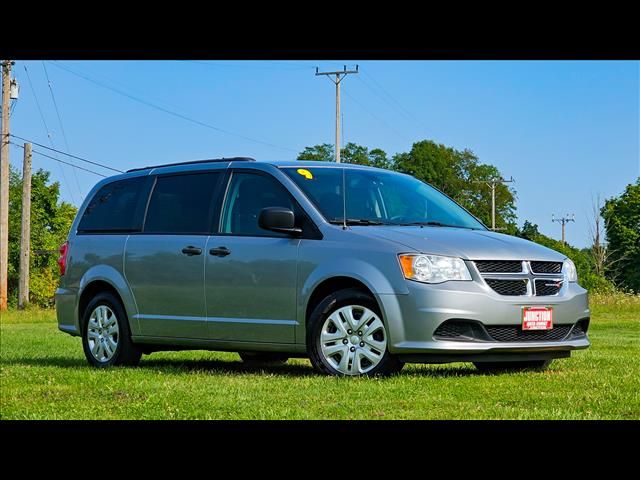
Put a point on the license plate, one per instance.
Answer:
(537, 318)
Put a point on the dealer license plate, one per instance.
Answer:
(537, 318)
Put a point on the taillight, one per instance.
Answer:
(62, 259)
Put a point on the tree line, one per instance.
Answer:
(602, 267)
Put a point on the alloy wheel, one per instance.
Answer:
(103, 333)
(353, 340)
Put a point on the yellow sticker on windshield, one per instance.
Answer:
(305, 173)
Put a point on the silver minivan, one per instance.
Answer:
(357, 268)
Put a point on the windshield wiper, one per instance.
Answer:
(433, 224)
(357, 221)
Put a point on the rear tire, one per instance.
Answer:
(263, 358)
(512, 366)
(346, 336)
(106, 337)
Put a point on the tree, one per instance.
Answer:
(351, 153)
(622, 224)
(436, 164)
(378, 158)
(318, 153)
(529, 231)
(454, 172)
(50, 224)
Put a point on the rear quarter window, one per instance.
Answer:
(117, 207)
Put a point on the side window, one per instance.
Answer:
(116, 207)
(247, 195)
(183, 204)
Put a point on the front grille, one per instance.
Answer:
(546, 267)
(514, 333)
(508, 287)
(499, 266)
(513, 277)
(548, 287)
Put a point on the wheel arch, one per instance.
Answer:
(106, 278)
(330, 285)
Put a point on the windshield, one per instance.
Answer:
(377, 197)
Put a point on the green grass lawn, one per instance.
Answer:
(44, 376)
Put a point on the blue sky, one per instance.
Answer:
(565, 130)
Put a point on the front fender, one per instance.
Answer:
(365, 272)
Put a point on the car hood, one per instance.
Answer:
(465, 243)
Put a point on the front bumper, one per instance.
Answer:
(412, 319)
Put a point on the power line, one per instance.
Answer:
(68, 154)
(397, 132)
(273, 64)
(64, 135)
(129, 88)
(61, 161)
(384, 95)
(55, 104)
(406, 113)
(44, 122)
(170, 112)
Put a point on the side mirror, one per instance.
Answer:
(278, 219)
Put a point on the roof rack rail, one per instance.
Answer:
(195, 162)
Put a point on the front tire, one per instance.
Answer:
(106, 338)
(495, 367)
(347, 337)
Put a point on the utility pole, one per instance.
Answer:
(4, 183)
(25, 234)
(492, 184)
(563, 221)
(339, 76)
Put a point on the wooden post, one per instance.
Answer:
(25, 233)
(339, 77)
(4, 185)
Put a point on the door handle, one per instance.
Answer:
(191, 251)
(220, 251)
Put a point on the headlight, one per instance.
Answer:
(569, 270)
(433, 268)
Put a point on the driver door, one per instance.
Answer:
(251, 273)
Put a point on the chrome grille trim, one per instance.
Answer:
(495, 279)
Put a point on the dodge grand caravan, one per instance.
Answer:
(357, 268)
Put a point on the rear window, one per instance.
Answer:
(116, 208)
(183, 204)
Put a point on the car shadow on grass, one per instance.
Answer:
(225, 367)
(166, 365)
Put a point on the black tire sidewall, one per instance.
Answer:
(124, 334)
(388, 365)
